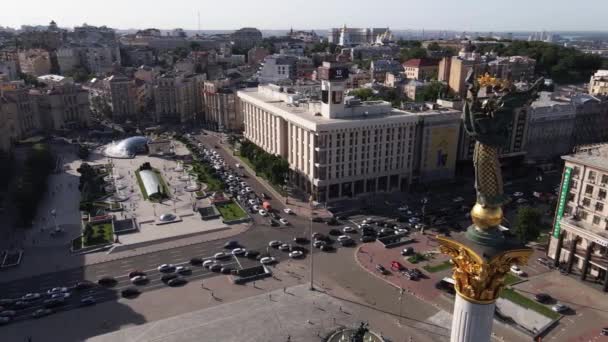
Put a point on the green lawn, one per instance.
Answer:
(231, 211)
(206, 175)
(513, 296)
(102, 233)
(276, 187)
(511, 279)
(439, 267)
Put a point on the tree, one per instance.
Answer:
(362, 93)
(431, 92)
(528, 224)
(433, 47)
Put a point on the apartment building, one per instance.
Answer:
(20, 111)
(35, 62)
(598, 84)
(421, 69)
(341, 147)
(579, 241)
(221, 107)
(123, 98)
(62, 106)
(176, 97)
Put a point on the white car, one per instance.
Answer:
(182, 269)
(31, 296)
(263, 212)
(138, 279)
(248, 189)
(256, 207)
(405, 208)
(238, 166)
(288, 211)
(284, 222)
(319, 243)
(521, 200)
(165, 268)
(348, 229)
(274, 243)
(239, 251)
(296, 254)
(518, 271)
(220, 255)
(268, 260)
(57, 290)
(343, 238)
(60, 295)
(207, 263)
(401, 231)
(518, 194)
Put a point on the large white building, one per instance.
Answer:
(579, 241)
(341, 148)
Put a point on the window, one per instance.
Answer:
(591, 177)
(596, 220)
(586, 202)
(589, 189)
(583, 214)
(604, 179)
(599, 206)
(601, 194)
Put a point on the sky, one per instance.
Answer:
(459, 15)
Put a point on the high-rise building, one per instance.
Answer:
(579, 241)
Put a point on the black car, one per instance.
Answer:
(107, 281)
(83, 285)
(177, 281)
(335, 232)
(300, 240)
(327, 248)
(41, 313)
(407, 251)
(7, 301)
(215, 268)
(226, 270)
(317, 219)
(20, 304)
(168, 277)
(232, 244)
(129, 292)
(367, 238)
(605, 331)
(274, 223)
(369, 231)
(342, 218)
(53, 302)
(87, 301)
(265, 196)
(542, 298)
(446, 287)
(348, 243)
(333, 222)
(251, 254)
(196, 261)
(381, 269)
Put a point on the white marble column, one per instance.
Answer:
(472, 322)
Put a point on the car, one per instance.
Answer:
(232, 244)
(521, 201)
(543, 261)
(183, 270)
(248, 189)
(274, 243)
(238, 166)
(274, 223)
(368, 238)
(300, 240)
(251, 254)
(396, 265)
(83, 285)
(239, 251)
(296, 254)
(401, 231)
(129, 292)
(268, 260)
(251, 202)
(134, 274)
(8, 313)
(284, 222)
(139, 279)
(256, 208)
(31, 296)
(518, 194)
(518, 271)
(407, 251)
(221, 255)
(381, 269)
(319, 243)
(19, 305)
(414, 220)
(604, 331)
(348, 230)
(285, 247)
(335, 232)
(226, 270)
(288, 211)
(215, 267)
(61, 295)
(7, 301)
(196, 261)
(543, 298)
(41, 313)
(107, 281)
(164, 268)
(560, 308)
(87, 301)
(166, 277)
(265, 196)
(342, 238)
(347, 243)
(208, 263)
(404, 208)
(326, 248)
(177, 281)
(369, 232)
(53, 302)
(57, 290)
(317, 219)
(332, 222)
(4, 320)
(263, 212)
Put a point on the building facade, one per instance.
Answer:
(579, 241)
(21, 111)
(35, 62)
(420, 69)
(598, 84)
(222, 110)
(176, 96)
(246, 38)
(63, 107)
(123, 98)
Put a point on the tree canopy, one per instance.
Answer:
(528, 224)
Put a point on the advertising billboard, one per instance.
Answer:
(563, 197)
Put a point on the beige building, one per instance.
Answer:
(176, 97)
(222, 110)
(20, 111)
(598, 84)
(579, 241)
(341, 148)
(454, 70)
(62, 107)
(123, 98)
(420, 69)
(36, 62)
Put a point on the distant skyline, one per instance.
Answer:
(465, 15)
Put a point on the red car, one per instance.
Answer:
(396, 266)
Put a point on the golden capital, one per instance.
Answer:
(486, 217)
(477, 280)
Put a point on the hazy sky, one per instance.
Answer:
(466, 15)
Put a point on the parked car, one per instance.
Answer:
(57, 290)
(560, 308)
(335, 232)
(285, 247)
(251, 254)
(407, 251)
(300, 240)
(134, 274)
(31, 296)
(41, 313)
(288, 211)
(396, 266)
(53, 302)
(317, 219)
(166, 277)
(196, 261)
(296, 254)
(349, 229)
(319, 243)
(232, 244)
(343, 238)
(208, 263)
(177, 281)
(284, 222)
(226, 270)
(274, 243)
(215, 267)
(129, 292)
(326, 248)
(542, 298)
(106, 281)
(221, 255)
(183, 270)
(239, 251)
(518, 271)
(166, 268)
(4, 320)
(368, 238)
(8, 313)
(268, 260)
(83, 285)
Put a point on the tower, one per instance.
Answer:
(333, 78)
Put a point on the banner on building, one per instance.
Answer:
(563, 198)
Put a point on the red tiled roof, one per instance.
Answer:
(420, 62)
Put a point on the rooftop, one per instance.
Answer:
(420, 62)
(593, 156)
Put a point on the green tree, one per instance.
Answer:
(528, 224)
(434, 46)
(431, 92)
(362, 93)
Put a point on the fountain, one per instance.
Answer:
(120, 197)
(120, 185)
(360, 334)
(179, 167)
(184, 176)
(193, 185)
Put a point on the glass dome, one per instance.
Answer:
(167, 217)
(127, 148)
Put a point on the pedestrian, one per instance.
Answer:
(270, 296)
(284, 290)
(340, 308)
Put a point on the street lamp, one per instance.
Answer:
(312, 213)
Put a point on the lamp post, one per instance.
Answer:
(312, 213)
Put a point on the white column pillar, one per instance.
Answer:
(472, 322)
